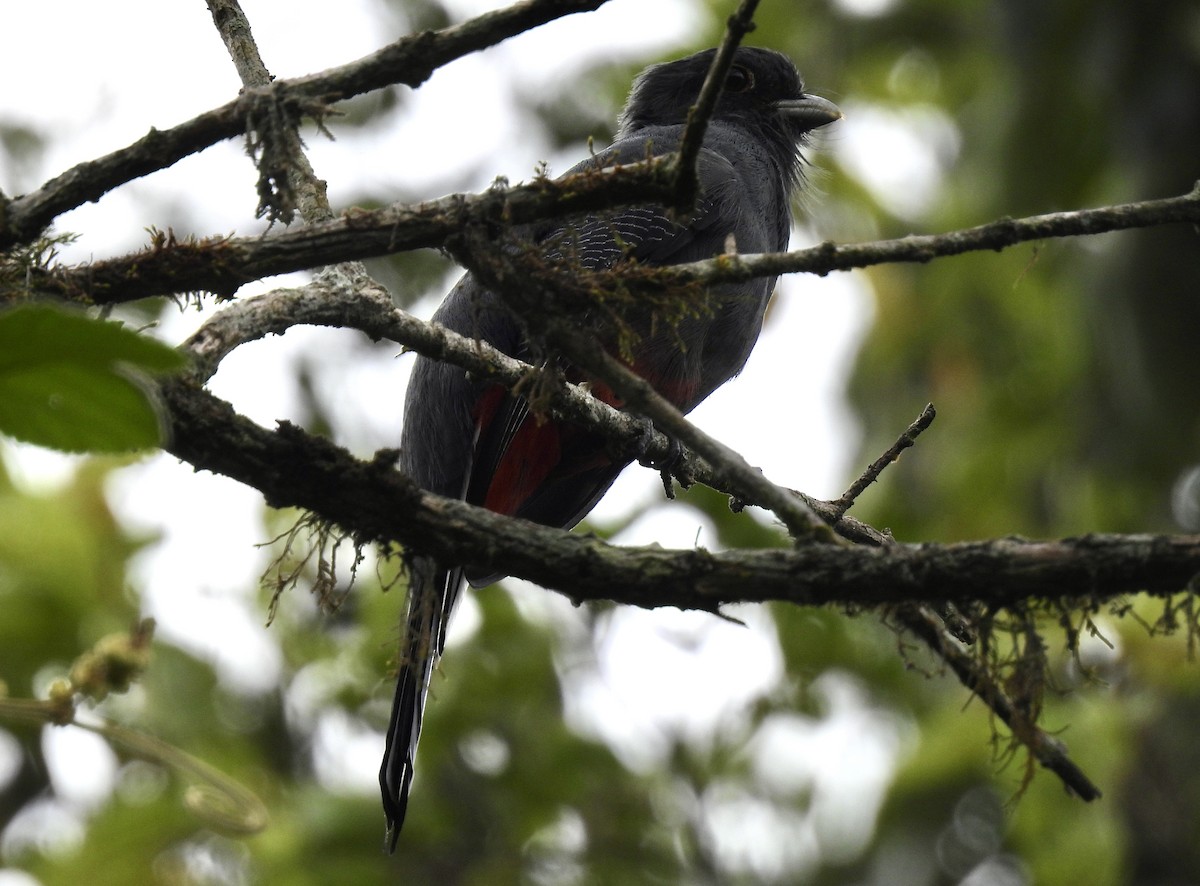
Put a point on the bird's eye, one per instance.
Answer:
(739, 79)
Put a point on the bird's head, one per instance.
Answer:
(763, 92)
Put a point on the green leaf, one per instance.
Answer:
(72, 383)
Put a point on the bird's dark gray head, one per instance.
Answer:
(763, 93)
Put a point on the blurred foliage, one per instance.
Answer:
(77, 384)
(1065, 376)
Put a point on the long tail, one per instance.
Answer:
(431, 595)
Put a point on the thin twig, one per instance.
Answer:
(234, 28)
(687, 187)
(305, 190)
(871, 474)
(1046, 749)
(941, 632)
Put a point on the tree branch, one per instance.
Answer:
(221, 265)
(994, 236)
(410, 61)
(376, 503)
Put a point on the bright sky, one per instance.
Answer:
(661, 671)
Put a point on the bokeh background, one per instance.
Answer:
(598, 744)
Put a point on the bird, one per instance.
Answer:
(476, 441)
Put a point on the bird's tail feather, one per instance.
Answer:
(422, 644)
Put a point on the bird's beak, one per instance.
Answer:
(809, 111)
